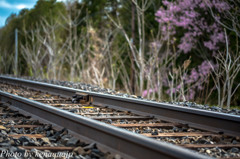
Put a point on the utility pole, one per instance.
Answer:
(16, 53)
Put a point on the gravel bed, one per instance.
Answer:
(93, 88)
(213, 152)
(221, 153)
(156, 131)
(53, 138)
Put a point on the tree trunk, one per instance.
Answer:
(132, 72)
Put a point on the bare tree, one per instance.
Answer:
(224, 75)
(138, 53)
(33, 52)
(104, 71)
(230, 18)
(74, 49)
(162, 60)
(6, 61)
(227, 68)
(51, 42)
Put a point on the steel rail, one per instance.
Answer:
(128, 143)
(197, 118)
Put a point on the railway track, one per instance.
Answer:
(208, 139)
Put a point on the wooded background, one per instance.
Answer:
(183, 50)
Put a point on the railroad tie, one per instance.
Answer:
(23, 126)
(38, 136)
(58, 148)
(156, 125)
(181, 134)
(122, 117)
(195, 146)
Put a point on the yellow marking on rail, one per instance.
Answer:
(89, 107)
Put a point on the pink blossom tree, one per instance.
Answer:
(190, 20)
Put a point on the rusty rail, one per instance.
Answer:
(201, 119)
(124, 142)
